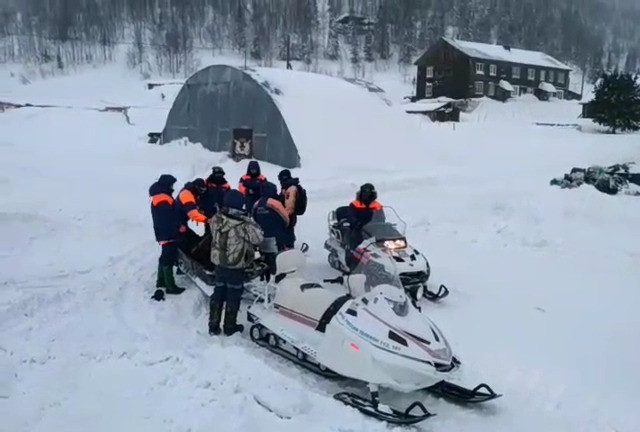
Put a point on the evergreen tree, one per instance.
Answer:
(617, 102)
(381, 37)
(239, 37)
(368, 47)
(332, 49)
(354, 46)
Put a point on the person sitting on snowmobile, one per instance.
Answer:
(165, 227)
(361, 211)
(234, 237)
(212, 200)
(273, 218)
(291, 197)
(250, 184)
(188, 209)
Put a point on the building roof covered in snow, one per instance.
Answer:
(545, 86)
(506, 54)
(506, 85)
(297, 118)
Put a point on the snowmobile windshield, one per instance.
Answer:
(385, 225)
(378, 267)
(399, 307)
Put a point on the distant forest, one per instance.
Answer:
(165, 35)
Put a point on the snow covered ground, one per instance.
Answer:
(544, 281)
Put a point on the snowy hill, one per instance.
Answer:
(544, 281)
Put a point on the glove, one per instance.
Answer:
(158, 295)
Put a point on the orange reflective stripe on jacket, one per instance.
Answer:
(241, 188)
(186, 197)
(277, 206)
(373, 206)
(156, 200)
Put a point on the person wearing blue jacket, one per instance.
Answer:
(213, 199)
(250, 184)
(270, 214)
(166, 226)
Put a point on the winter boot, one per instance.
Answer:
(160, 283)
(170, 283)
(215, 315)
(231, 312)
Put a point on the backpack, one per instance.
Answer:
(233, 242)
(301, 201)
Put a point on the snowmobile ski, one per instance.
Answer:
(372, 408)
(462, 395)
(442, 292)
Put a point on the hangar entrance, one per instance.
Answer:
(242, 144)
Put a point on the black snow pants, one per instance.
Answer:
(226, 296)
(169, 254)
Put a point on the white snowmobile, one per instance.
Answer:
(370, 332)
(383, 235)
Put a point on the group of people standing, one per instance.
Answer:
(255, 214)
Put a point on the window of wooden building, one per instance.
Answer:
(429, 71)
(479, 87)
(531, 74)
(493, 70)
(515, 71)
(479, 68)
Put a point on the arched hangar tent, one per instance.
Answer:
(221, 101)
(296, 118)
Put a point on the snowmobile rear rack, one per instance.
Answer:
(372, 408)
(442, 292)
(462, 395)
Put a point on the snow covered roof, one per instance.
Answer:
(423, 107)
(506, 85)
(330, 116)
(548, 87)
(511, 55)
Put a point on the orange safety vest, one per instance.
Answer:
(360, 205)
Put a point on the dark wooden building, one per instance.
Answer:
(460, 70)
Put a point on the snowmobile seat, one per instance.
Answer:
(342, 224)
(342, 214)
(331, 312)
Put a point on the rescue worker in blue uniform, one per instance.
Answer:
(165, 226)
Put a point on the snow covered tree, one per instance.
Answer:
(617, 102)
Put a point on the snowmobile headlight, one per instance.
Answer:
(395, 244)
